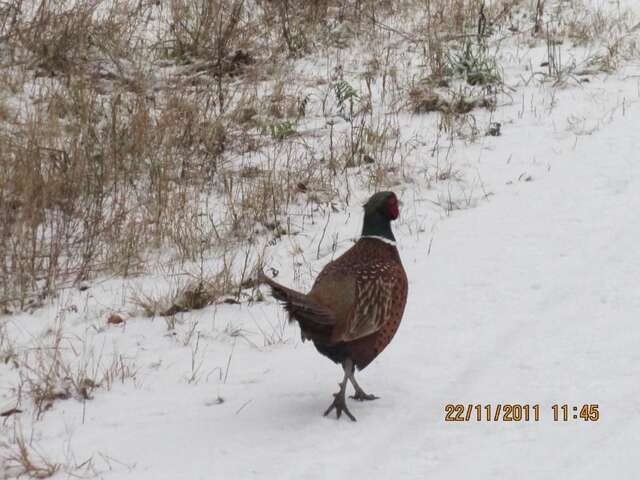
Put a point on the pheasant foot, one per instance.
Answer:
(340, 406)
(361, 395)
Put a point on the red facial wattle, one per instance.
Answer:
(392, 208)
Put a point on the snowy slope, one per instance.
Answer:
(531, 297)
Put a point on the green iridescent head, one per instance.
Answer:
(379, 211)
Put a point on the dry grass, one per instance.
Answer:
(58, 366)
(19, 458)
(128, 127)
(193, 295)
(186, 134)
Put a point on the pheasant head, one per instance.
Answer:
(379, 211)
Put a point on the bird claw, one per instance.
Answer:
(341, 406)
(361, 396)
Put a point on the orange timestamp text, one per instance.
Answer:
(516, 412)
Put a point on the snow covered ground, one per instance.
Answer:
(532, 297)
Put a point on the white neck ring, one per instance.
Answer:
(382, 239)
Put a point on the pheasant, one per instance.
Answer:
(356, 303)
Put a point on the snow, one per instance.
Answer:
(532, 297)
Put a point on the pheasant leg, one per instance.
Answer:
(360, 393)
(339, 402)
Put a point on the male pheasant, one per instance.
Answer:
(355, 305)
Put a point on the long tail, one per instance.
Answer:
(312, 316)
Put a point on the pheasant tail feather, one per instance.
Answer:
(311, 315)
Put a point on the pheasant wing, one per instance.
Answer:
(373, 304)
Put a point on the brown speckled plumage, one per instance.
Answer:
(367, 288)
(356, 303)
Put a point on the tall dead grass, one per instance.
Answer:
(132, 126)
